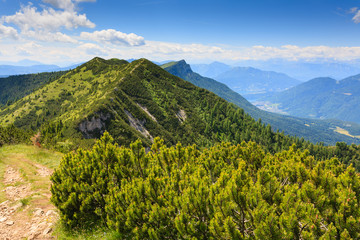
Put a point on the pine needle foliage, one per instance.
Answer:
(223, 192)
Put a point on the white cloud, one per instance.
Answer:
(293, 52)
(28, 18)
(93, 49)
(353, 10)
(65, 4)
(159, 51)
(8, 32)
(27, 49)
(85, 0)
(114, 37)
(356, 18)
(49, 36)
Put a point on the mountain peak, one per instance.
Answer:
(181, 67)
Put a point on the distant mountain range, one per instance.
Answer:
(306, 70)
(323, 98)
(211, 70)
(7, 70)
(247, 80)
(250, 82)
(310, 129)
(301, 70)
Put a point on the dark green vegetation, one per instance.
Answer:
(312, 130)
(323, 98)
(247, 80)
(13, 135)
(15, 87)
(222, 192)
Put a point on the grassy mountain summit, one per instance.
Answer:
(310, 129)
(323, 98)
(135, 100)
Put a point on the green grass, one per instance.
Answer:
(11, 153)
(93, 234)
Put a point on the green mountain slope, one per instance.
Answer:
(323, 98)
(312, 130)
(131, 101)
(16, 87)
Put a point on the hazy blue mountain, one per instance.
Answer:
(248, 80)
(70, 67)
(17, 70)
(22, 63)
(8, 70)
(306, 70)
(324, 98)
(210, 70)
(310, 129)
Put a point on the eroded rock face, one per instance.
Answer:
(147, 112)
(181, 115)
(95, 126)
(138, 125)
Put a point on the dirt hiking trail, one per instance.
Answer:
(25, 208)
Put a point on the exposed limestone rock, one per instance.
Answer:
(138, 125)
(181, 115)
(94, 126)
(147, 112)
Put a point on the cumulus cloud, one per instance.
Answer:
(49, 36)
(28, 18)
(93, 49)
(8, 32)
(114, 37)
(27, 49)
(65, 4)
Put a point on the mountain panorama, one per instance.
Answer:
(155, 152)
(322, 98)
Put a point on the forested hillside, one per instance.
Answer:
(15, 87)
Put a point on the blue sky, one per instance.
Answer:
(68, 31)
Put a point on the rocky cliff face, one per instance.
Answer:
(95, 126)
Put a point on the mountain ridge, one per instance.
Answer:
(137, 100)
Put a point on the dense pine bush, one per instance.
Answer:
(223, 192)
